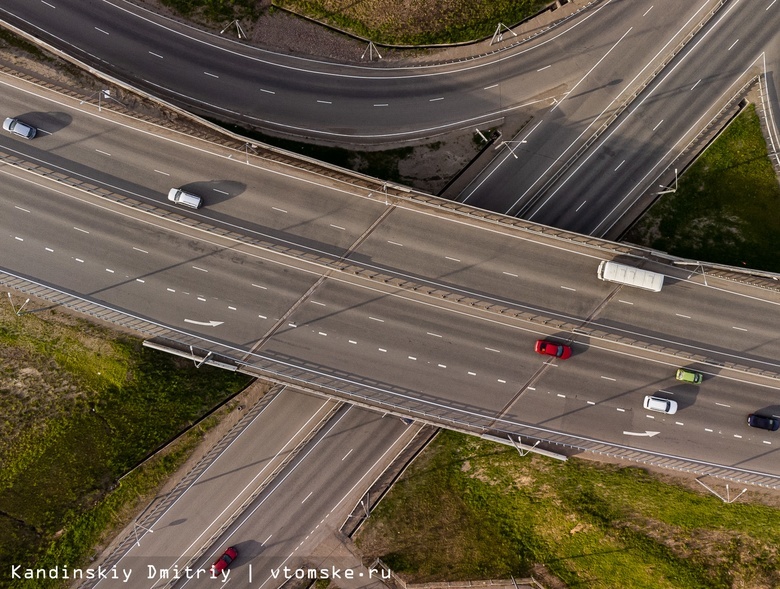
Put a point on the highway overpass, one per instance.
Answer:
(397, 300)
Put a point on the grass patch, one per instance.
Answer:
(215, 11)
(469, 509)
(79, 407)
(727, 206)
(417, 23)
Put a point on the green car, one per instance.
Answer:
(689, 376)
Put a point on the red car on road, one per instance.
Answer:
(224, 561)
(547, 348)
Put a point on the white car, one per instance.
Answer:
(184, 198)
(661, 405)
(17, 127)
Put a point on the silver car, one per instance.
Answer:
(17, 127)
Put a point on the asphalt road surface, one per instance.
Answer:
(425, 355)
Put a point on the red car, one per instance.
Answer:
(546, 348)
(224, 561)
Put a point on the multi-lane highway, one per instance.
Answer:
(352, 103)
(426, 355)
(287, 480)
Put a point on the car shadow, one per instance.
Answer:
(47, 122)
(215, 191)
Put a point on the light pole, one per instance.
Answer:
(509, 147)
(670, 189)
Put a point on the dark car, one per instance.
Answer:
(759, 421)
(548, 348)
(224, 561)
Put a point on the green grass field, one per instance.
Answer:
(80, 407)
(417, 23)
(469, 509)
(727, 206)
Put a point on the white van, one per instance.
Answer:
(614, 272)
(184, 198)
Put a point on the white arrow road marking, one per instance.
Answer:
(206, 323)
(645, 433)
